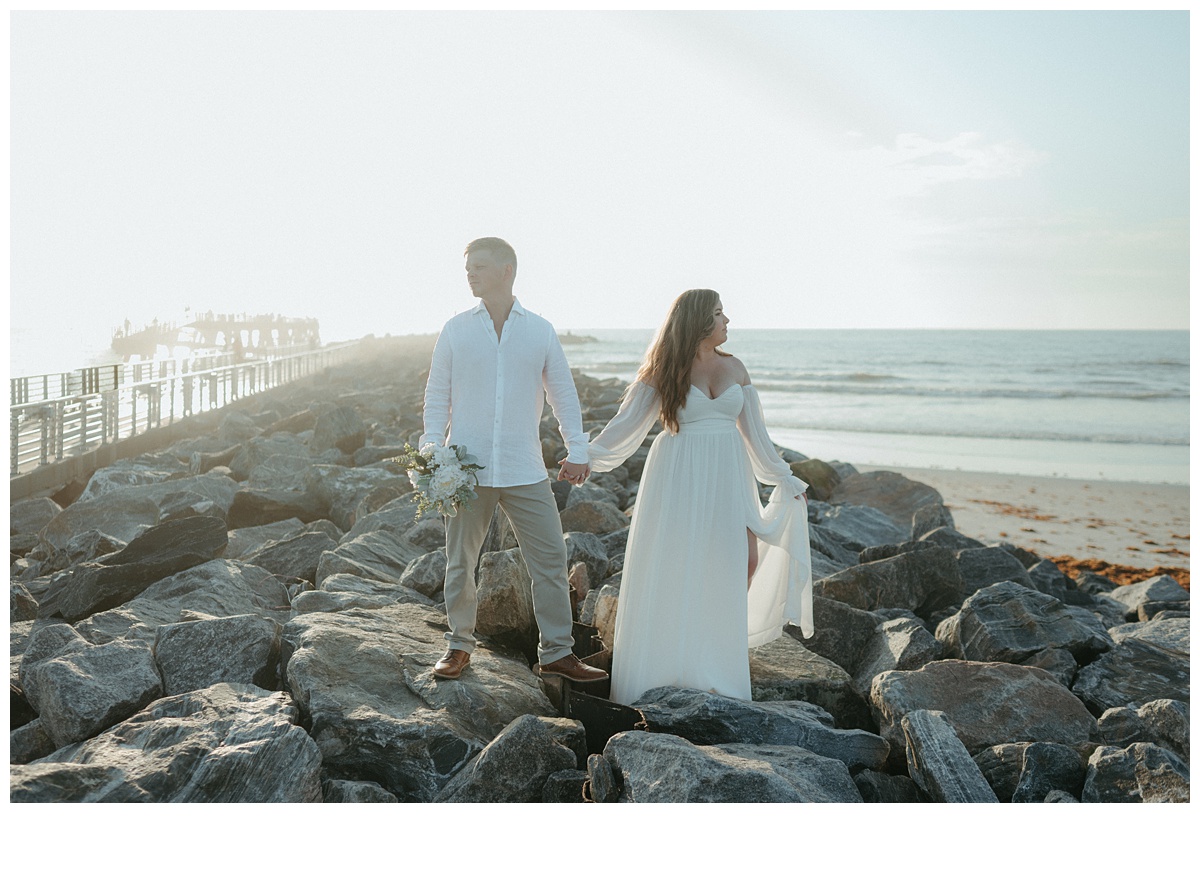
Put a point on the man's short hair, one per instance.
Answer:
(500, 250)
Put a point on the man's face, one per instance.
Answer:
(485, 275)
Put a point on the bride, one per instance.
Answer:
(708, 570)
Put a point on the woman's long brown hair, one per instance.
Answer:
(668, 364)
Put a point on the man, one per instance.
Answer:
(492, 366)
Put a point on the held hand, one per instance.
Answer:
(574, 472)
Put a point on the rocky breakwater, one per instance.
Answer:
(252, 615)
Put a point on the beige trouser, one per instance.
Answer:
(534, 516)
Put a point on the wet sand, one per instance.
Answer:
(1118, 524)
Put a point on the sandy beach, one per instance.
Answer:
(1133, 528)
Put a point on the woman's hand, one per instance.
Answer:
(574, 472)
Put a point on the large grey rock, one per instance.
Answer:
(657, 768)
(244, 649)
(1156, 589)
(427, 574)
(31, 515)
(821, 477)
(505, 613)
(364, 679)
(591, 550)
(134, 472)
(321, 600)
(71, 783)
(602, 785)
(244, 541)
(597, 518)
(893, 494)
(707, 718)
(939, 763)
(517, 763)
(1009, 622)
(830, 550)
(981, 568)
(988, 703)
(29, 741)
(376, 554)
(1139, 773)
(565, 786)
(1048, 767)
(121, 515)
(210, 494)
(841, 632)
(599, 609)
(340, 790)
(1001, 765)
(591, 492)
(256, 454)
(429, 534)
(1132, 673)
(1047, 578)
(21, 603)
(257, 506)
(1164, 722)
(784, 670)
(225, 744)
(397, 517)
(217, 588)
(353, 493)
(1171, 634)
(880, 787)
(923, 581)
(298, 555)
(902, 643)
(951, 539)
(861, 524)
(80, 691)
(341, 428)
(158, 552)
(928, 518)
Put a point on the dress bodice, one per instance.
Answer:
(701, 408)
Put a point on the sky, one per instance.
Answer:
(819, 169)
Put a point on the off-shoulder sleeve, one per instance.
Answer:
(628, 428)
(764, 460)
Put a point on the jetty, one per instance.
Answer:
(64, 425)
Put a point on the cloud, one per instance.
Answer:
(915, 164)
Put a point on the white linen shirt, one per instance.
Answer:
(490, 393)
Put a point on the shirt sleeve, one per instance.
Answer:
(437, 392)
(627, 429)
(564, 400)
(764, 460)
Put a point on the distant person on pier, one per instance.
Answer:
(492, 366)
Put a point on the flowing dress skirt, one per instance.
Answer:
(682, 612)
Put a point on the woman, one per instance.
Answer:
(708, 571)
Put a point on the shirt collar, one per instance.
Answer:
(516, 307)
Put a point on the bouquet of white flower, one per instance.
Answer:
(443, 476)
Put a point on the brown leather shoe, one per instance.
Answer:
(571, 667)
(452, 663)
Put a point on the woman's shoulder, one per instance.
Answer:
(738, 368)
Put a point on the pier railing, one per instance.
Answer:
(53, 417)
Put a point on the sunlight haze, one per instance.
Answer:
(828, 170)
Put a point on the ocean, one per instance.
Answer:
(1090, 405)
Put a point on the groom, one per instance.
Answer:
(490, 368)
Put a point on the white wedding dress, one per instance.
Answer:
(684, 616)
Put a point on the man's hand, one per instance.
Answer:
(573, 472)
